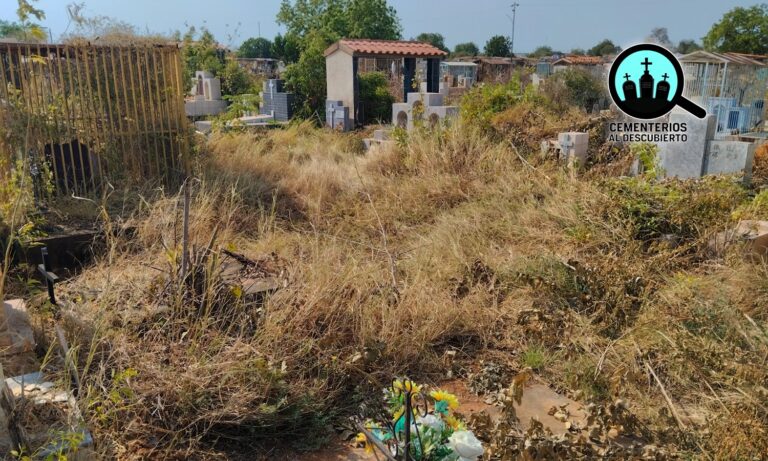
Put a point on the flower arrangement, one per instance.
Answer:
(424, 434)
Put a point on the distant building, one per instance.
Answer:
(491, 69)
(261, 67)
(596, 65)
(731, 86)
(458, 73)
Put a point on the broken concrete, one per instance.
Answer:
(752, 234)
(16, 334)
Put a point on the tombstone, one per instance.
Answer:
(337, 116)
(730, 157)
(575, 147)
(276, 102)
(685, 160)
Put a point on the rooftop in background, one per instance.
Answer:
(576, 60)
(722, 58)
(365, 47)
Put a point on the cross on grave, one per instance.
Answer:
(627, 76)
(665, 77)
(50, 277)
(646, 63)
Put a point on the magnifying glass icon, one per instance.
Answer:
(646, 81)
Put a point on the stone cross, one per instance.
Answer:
(627, 76)
(665, 77)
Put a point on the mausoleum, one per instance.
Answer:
(343, 62)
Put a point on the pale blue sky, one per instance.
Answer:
(562, 24)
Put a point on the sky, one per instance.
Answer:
(562, 24)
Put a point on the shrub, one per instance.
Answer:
(375, 97)
(573, 87)
(481, 103)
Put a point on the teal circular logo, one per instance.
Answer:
(646, 82)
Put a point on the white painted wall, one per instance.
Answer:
(340, 79)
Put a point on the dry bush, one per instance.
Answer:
(446, 243)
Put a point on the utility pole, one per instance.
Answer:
(514, 15)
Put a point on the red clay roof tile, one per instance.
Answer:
(386, 47)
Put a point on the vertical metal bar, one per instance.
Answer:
(49, 101)
(4, 94)
(78, 112)
(129, 119)
(64, 83)
(94, 116)
(147, 100)
(182, 119)
(105, 113)
(122, 108)
(158, 74)
(84, 119)
(169, 109)
(136, 106)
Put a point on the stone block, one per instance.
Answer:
(574, 147)
(686, 159)
(381, 135)
(730, 157)
(428, 99)
(337, 116)
(402, 115)
(16, 335)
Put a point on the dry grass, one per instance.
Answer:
(394, 258)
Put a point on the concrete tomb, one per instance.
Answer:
(205, 97)
(276, 102)
(427, 107)
(337, 116)
(574, 147)
(685, 160)
(730, 157)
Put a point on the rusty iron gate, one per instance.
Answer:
(86, 114)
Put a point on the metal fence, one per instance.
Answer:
(86, 114)
(735, 94)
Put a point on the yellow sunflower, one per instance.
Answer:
(407, 386)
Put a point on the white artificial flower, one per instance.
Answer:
(432, 422)
(466, 445)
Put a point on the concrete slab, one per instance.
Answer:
(553, 410)
(730, 157)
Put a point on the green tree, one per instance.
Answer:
(373, 19)
(498, 45)
(434, 39)
(235, 80)
(542, 51)
(741, 30)
(688, 46)
(201, 53)
(255, 48)
(573, 87)
(604, 48)
(307, 76)
(286, 48)
(578, 51)
(25, 29)
(316, 24)
(466, 49)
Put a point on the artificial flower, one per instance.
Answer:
(453, 422)
(432, 422)
(363, 439)
(444, 401)
(407, 386)
(466, 445)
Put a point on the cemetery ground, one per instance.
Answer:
(455, 255)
